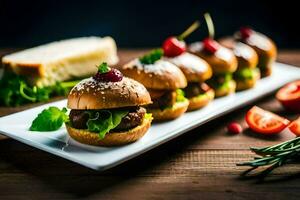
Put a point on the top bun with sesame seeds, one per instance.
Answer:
(161, 75)
(106, 109)
(93, 94)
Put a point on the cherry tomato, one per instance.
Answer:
(265, 122)
(245, 32)
(295, 127)
(173, 47)
(234, 128)
(289, 96)
(210, 45)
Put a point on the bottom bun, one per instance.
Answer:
(247, 83)
(201, 100)
(111, 139)
(226, 90)
(169, 113)
(266, 71)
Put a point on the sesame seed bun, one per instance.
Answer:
(222, 61)
(265, 49)
(201, 100)
(169, 113)
(111, 139)
(161, 75)
(92, 94)
(194, 68)
(246, 55)
(264, 46)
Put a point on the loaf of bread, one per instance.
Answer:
(62, 60)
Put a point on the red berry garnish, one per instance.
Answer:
(210, 45)
(173, 47)
(245, 32)
(234, 128)
(113, 75)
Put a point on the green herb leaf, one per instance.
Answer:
(50, 119)
(16, 91)
(103, 121)
(103, 68)
(152, 57)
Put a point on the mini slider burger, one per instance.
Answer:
(220, 58)
(106, 109)
(195, 69)
(264, 47)
(247, 73)
(163, 80)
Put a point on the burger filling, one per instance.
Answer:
(246, 74)
(163, 99)
(195, 90)
(220, 81)
(105, 121)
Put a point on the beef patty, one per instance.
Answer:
(79, 118)
(162, 98)
(195, 89)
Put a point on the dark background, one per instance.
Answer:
(142, 23)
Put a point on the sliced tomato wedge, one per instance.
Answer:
(289, 96)
(265, 122)
(295, 127)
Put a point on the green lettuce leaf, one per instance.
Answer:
(180, 95)
(15, 90)
(148, 116)
(245, 73)
(220, 81)
(105, 120)
(50, 119)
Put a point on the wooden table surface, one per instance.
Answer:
(200, 164)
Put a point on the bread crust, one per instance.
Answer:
(194, 68)
(92, 94)
(111, 139)
(269, 49)
(201, 101)
(221, 62)
(162, 75)
(28, 69)
(169, 113)
(246, 55)
(61, 68)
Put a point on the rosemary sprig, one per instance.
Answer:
(274, 156)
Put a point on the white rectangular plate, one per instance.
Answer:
(100, 158)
